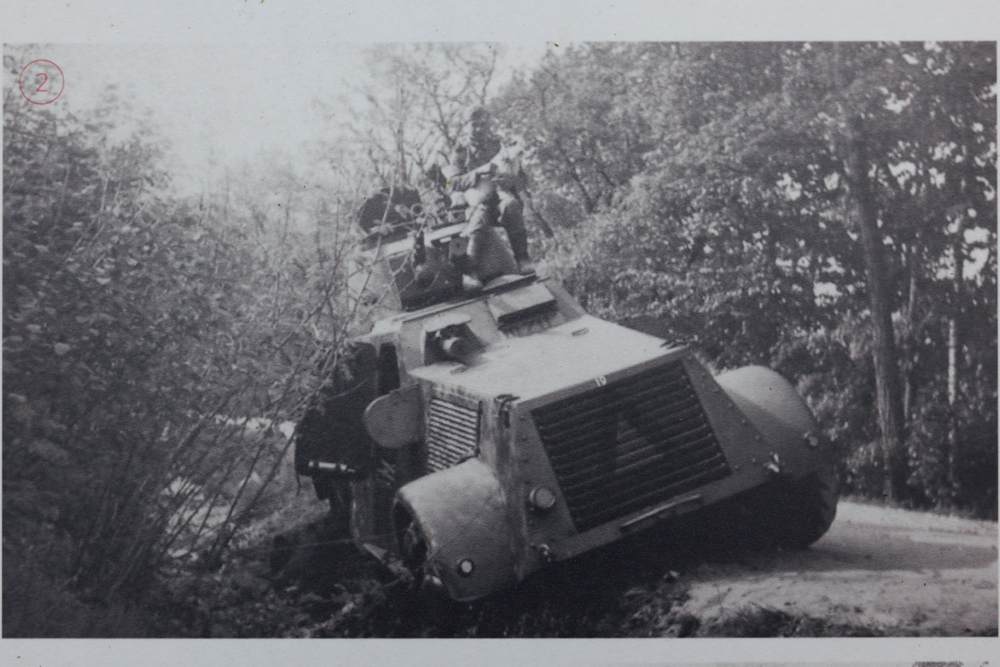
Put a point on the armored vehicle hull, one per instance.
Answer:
(484, 436)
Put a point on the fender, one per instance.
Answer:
(772, 405)
(461, 515)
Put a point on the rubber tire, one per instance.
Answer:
(410, 542)
(821, 501)
(802, 510)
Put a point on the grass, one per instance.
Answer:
(36, 605)
(763, 622)
(957, 512)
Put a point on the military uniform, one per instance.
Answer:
(492, 197)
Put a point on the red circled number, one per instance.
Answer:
(49, 82)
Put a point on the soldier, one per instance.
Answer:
(490, 178)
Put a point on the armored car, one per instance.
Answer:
(475, 438)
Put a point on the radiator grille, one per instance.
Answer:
(452, 433)
(630, 444)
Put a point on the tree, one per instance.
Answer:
(417, 105)
(152, 345)
(582, 121)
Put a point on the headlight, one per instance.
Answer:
(542, 498)
(466, 567)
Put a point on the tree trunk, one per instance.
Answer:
(888, 396)
(908, 340)
(955, 310)
(953, 334)
(954, 344)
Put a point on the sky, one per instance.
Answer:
(223, 103)
(232, 78)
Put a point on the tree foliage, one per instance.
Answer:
(153, 346)
(417, 106)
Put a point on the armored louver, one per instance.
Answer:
(630, 444)
(452, 433)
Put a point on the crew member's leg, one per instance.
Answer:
(487, 254)
(478, 225)
(512, 220)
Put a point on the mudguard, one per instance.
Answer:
(800, 508)
(461, 513)
(773, 406)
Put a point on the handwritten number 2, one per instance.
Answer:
(45, 78)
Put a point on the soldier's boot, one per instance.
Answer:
(471, 284)
(519, 244)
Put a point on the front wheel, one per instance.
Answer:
(819, 506)
(799, 512)
(411, 543)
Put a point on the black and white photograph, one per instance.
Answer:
(582, 338)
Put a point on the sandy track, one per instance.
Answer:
(898, 571)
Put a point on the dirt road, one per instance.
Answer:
(897, 571)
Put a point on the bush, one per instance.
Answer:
(154, 351)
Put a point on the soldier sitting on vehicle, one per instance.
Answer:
(488, 179)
